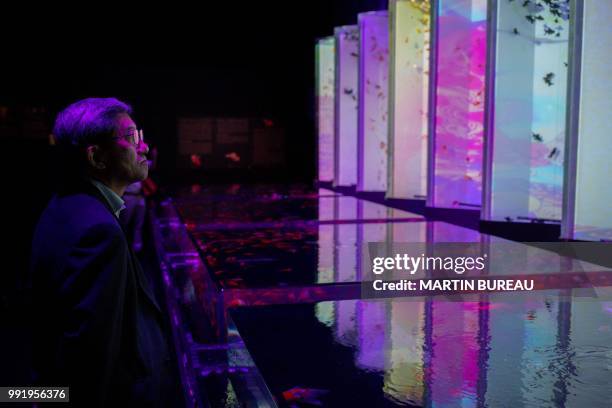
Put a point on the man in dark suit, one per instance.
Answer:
(99, 328)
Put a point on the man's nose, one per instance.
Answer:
(143, 147)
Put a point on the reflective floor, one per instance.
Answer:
(281, 268)
(287, 240)
(544, 352)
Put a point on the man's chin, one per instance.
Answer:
(141, 175)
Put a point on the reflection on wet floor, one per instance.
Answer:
(286, 253)
(547, 351)
(302, 256)
(266, 243)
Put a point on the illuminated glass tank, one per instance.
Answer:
(588, 201)
(527, 136)
(347, 61)
(408, 98)
(324, 75)
(373, 101)
(456, 172)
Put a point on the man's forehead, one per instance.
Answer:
(125, 122)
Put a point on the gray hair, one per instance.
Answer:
(88, 121)
(85, 122)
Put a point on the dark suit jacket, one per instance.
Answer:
(98, 327)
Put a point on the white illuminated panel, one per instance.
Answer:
(408, 99)
(347, 62)
(324, 70)
(373, 101)
(589, 196)
(528, 129)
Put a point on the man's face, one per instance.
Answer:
(126, 161)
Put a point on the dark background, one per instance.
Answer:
(222, 59)
(239, 59)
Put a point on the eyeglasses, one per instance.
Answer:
(135, 137)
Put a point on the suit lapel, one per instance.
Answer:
(141, 279)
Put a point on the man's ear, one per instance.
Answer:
(94, 157)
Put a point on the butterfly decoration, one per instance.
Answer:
(554, 153)
(548, 79)
(548, 30)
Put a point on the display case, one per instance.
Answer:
(528, 93)
(345, 137)
(457, 104)
(373, 101)
(588, 192)
(324, 78)
(408, 98)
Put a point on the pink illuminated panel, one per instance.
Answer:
(459, 118)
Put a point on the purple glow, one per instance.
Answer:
(347, 59)
(346, 322)
(443, 232)
(454, 372)
(372, 322)
(373, 101)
